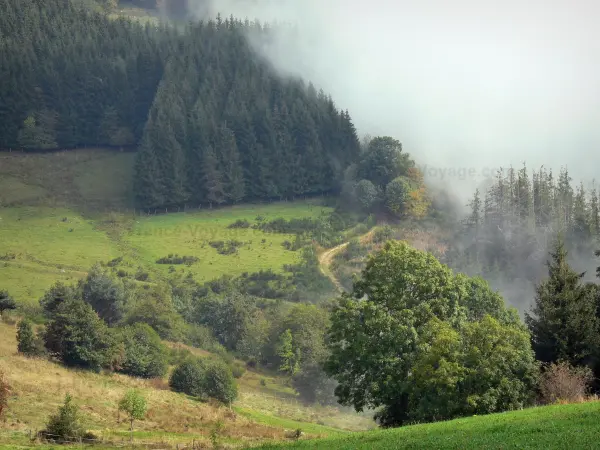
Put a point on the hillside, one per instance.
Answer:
(63, 215)
(211, 122)
(549, 427)
(39, 388)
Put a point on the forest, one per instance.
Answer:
(211, 123)
(509, 231)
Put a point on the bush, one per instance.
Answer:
(145, 355)
(240, 223)
(65, 424)
(6, 302)
(188, 377)
(176, 259)
(27, 342)
(178, 355)
(383, 234)
(142, 275)
(219, 382)
(204, 379)
(226, 248)
(562, 382)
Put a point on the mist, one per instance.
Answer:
(466, 86)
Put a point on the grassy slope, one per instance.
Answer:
(39, 387)
(561, 426)
(92, 190)
(190, 234)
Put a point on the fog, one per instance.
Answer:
(466, 86)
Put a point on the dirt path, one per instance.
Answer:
(326, 258)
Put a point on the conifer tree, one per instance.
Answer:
(563, 321)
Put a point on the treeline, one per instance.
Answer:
(510, 228)
(214, 124)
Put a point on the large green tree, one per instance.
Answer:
(79, 338)
(380, 335)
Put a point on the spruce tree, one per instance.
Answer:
(563, 321)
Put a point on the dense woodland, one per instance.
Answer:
(213, 123)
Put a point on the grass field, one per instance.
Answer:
(190, 234)
(552, 427)
(62, 212)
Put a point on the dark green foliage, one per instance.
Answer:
(28, 343)
(105, 293)
(6, 302)
(188, 377)
(240, 223)
(204, 378)
(229, 318)
(211, 122)
(314, 386)
(145, 355)
(563, 320)
(406, 339)
(383, 161)
(366, 194)
(65, 425)
(176, 259)
(56, 296)
(79, 338)
(219, 382)
(153, 305)
(226, 247)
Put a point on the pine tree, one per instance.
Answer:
(563, 321)
(213, 182)
(233, 174)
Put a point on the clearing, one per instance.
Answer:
(62, 212)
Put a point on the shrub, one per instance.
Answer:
(115, 262)
(240, 223)
(188, 377)
(561, 382)
(4, 393)
(219, 382)
(383, 234)
(178, 355)
(6, 302)
(142, 275)
(65, 424)
(176, 259)
(238, 369)
(145, 354)
(226, 248)
(27, 342)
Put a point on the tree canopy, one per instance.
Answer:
(212, 123)
(411, 339)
